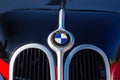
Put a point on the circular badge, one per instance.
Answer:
(61, 38)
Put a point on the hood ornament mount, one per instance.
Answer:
(60, 41)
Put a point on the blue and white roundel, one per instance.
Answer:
(61, 38)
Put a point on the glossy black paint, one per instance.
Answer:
(89, 27)
(10, 5)
(103, 5)
(22, 27)
(98, 28)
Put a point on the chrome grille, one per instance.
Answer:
(31, 64)
(87, 64)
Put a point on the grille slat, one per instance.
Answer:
(76, 68)
(84, 66)
(26, 68)
(80, 72)
(34, 66)
(89, 74)
(87, 64)
(39, 64)
(96, 68)
(31, 64)
(92, 62)
(43, 67)
(18, 65)
(22, 70)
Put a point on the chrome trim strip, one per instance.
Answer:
(81, 47)
(60, 50)
(32, 45)
(61, 19)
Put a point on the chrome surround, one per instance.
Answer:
(1, 78)
(32, 45)
(81, 47)
(60, 50)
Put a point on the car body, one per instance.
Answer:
(94, 25)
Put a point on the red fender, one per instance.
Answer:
(56, 72)
(115, 71)
(4, 69)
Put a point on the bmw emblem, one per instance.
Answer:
(61, 38)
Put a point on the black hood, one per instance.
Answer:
(90, 21)
(89, 27)
(10, 5)
(109, 5)
(101, 5)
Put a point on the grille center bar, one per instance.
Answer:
(60, 41)
(61, 19)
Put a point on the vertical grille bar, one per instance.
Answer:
(31, 64)
(88, 58)
(39, 68)
(92, 65)
(26, 69)
(96, 70)
(87, 64)
(77, 64)
(18, 66)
